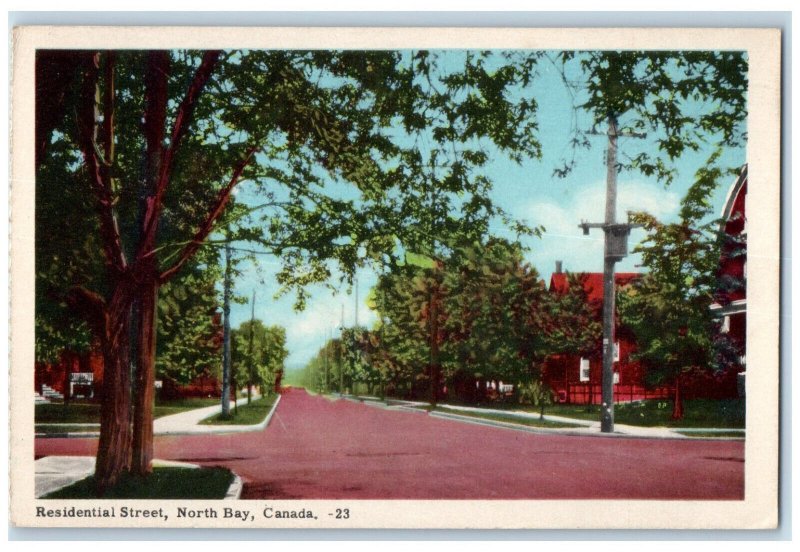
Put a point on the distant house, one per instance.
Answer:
(578, 380)
(80, 375)
(73, 374)
(731, 299)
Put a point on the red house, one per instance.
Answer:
(74, 374)
(578, 380)
(731, 299)
(80, 375)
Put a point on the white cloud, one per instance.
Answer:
(563, 240)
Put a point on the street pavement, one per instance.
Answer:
(316, 447)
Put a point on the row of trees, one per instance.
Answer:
(258, 354)
(352, 157)
(484, 314)
(481, 314)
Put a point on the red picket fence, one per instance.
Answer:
(592, 394)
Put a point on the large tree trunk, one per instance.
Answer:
(145, 378)
(114, 447)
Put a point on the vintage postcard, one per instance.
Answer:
(395, 278)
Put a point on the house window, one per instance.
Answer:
(616, 351)
(584, 369)
(616, 378)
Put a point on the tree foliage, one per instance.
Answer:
(572, 322)
(681, 100)
(189, 330)
(494, 301)
(259, 354)
(668, 309)
(487, 303)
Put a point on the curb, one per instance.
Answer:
(68, 435)
(517, 427)
(402, 408)
(235, 490)
(268, 419)
(567, 431)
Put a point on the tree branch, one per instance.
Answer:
(205, 228)
(109, 108)
(99, 175)
(90, 306)
(183, 119)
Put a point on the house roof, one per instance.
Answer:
(733, 194)
(592, 282)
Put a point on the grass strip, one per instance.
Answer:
(246, 414)
(86, 413)
(717, 413)
(163, 483)
(167, 408)
(531, 422)
(712, 434)
(67, 428)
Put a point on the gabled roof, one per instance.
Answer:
(592, 282)
(733, 194)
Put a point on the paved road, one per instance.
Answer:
(317, 448)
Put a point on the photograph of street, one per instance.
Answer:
(454, 273)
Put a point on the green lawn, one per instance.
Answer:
(165, 408)
(84, 412)
(723, 413)
(163, 483)
(248, 414)
(72, 413)
(510, 418)
(67, 428)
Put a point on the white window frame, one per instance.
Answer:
(584, 370)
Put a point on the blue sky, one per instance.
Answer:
(530, 193)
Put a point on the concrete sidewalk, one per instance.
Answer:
(188, 423)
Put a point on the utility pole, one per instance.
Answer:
(226, 333)
(325, 359)
(250, 350)
(341, 360)
(355, 305)
(352, 345)
(615, 248)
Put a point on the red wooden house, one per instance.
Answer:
(731, 299)
(577, 379)
(80, 375)
(74, 374)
